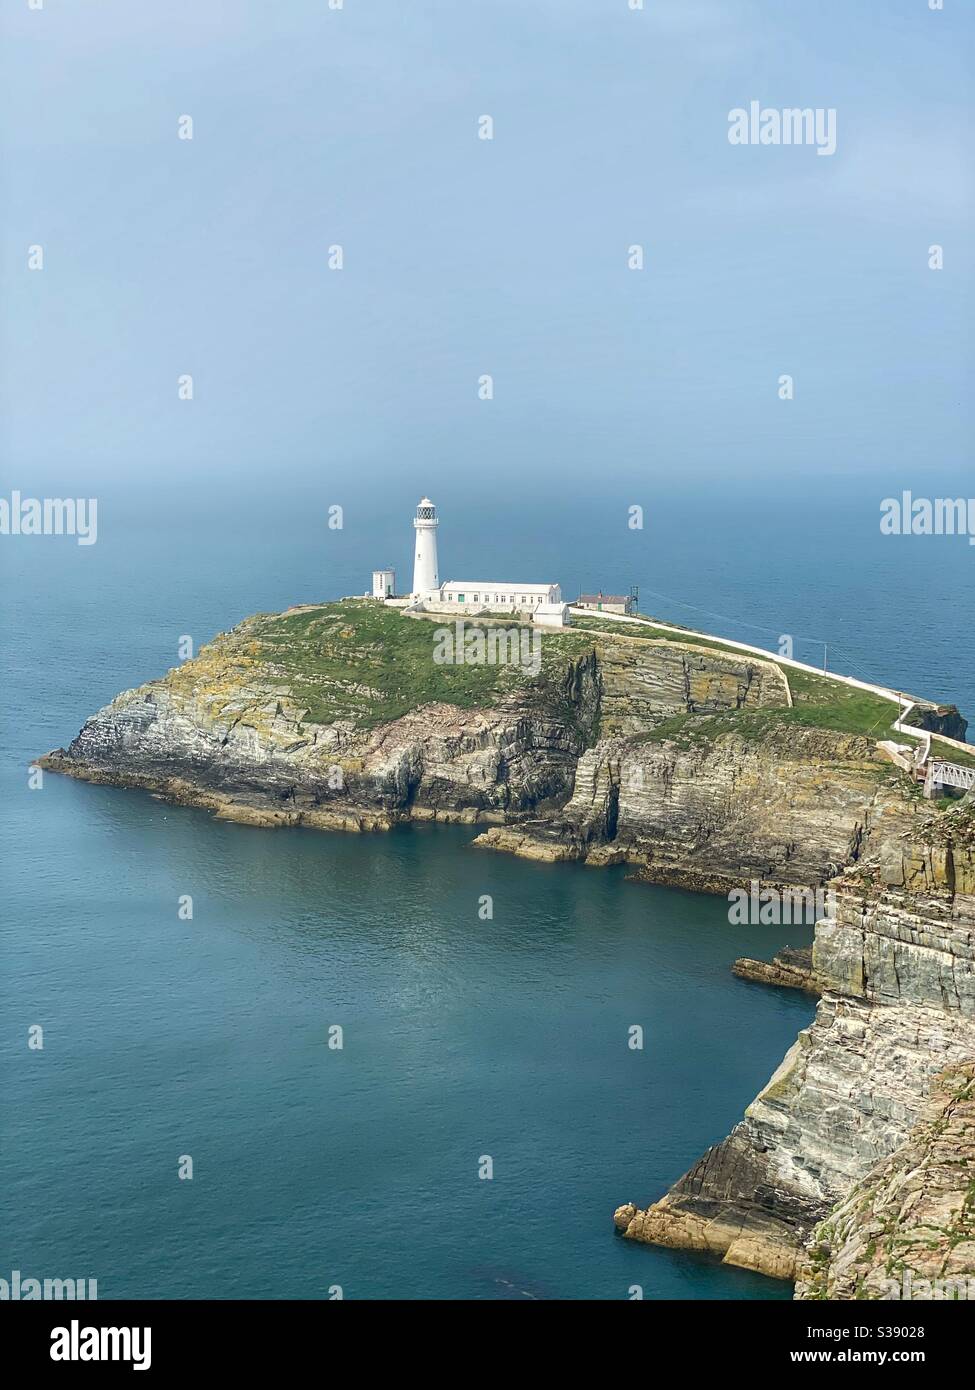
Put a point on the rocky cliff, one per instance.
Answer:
(907, 1229)
(713, 812)
(675, 757)
(938, 719)
(286, 720)
(897, 963)
(694, 764)
(339, 716)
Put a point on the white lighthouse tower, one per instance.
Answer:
(425, 523)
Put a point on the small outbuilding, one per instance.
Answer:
(607, 603)
(383, 583)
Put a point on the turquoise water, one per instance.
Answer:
(462, 1037)
(208, 1037)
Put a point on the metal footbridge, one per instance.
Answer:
(941, 774)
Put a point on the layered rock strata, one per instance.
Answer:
(233, 730)
(712, 814)
(906, 1231)
(897, 962)
(788, 969)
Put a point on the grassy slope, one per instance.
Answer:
(357, 660)
(819, 702)
(648, 632)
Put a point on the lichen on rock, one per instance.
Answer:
(896, 964)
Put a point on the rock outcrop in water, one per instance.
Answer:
(788, 969)
(939, 719)
(695, 765)
(237, 731)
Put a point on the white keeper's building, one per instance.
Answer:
(540, 603)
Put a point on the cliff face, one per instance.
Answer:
(792, 807)
(643, 682)
(907, 1230)
(320, 718)
(898, 968)
(939, 719)
(264, 764)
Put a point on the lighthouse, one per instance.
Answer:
(425, 523)
(538, 604)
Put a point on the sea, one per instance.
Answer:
(250, 1063)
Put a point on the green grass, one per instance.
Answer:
(830, 704)
(820, 701)
(647, 631)
(754, 726)
(854, 712)
(358, 660)
(952, 755)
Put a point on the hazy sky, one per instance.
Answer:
(463, 256)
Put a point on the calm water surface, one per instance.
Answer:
(209, 1037)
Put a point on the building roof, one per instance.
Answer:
(603, 598)
(495, 586)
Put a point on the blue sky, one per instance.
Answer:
(464, 257)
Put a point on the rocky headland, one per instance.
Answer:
(896, 969)
(695, 764)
